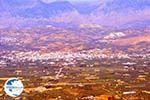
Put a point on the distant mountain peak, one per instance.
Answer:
(36, 8)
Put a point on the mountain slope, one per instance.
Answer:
(119, 12)
(36, 8)
(123, 5)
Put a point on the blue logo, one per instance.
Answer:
(13, 87)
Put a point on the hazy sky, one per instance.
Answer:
(70, 0)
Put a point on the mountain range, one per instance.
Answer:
(104, 12)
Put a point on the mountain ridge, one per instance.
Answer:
(117, 12)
